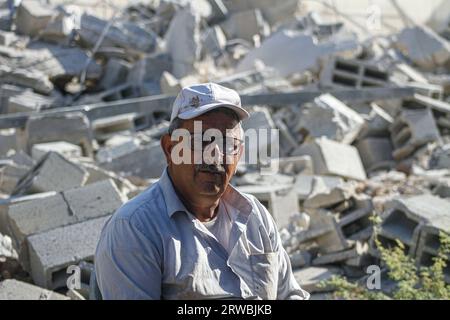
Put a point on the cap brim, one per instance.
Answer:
(242, 114)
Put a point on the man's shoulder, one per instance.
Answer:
(146, 207)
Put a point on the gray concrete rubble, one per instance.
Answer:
(347, 126)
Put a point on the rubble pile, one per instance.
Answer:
(364, 129)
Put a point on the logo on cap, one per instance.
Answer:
(195, 102)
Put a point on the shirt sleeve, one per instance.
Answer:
(127, 264)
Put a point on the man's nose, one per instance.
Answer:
(213, 155)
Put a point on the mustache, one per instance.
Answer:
(211, 168)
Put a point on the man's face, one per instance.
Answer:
(210, 170)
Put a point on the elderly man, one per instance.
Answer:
(192, 235)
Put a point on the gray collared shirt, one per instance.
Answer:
(152, 248)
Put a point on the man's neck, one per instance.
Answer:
(205, 211)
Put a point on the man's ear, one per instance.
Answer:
(167, 146)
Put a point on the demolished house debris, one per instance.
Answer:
(364, 129)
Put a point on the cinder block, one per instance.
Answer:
(411, 130)
(353, 73)
(10, 175)
(105, 128)
(280, 201)
(12, 289)
(358, 250)
(66, 208)
(33, 17)
(304, 184)
(405, 217)
(376, 153)
(354, 222)
(333, 158)
(53, 251)
(246, 24)
(52, 173)
(70, 127)
(8, 141)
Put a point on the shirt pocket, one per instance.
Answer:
(265, 274)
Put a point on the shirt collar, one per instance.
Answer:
(232, 197)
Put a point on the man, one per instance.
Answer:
(192, 235)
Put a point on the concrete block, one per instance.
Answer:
(310, 278)
(245, 25)
(358, 250)
(70, 127)
(376, 153)
(53, 251)
(122, 34)
(105, 128)
(183, 41)
(280, 201)
(27, 101)
(440, 159)
(333, 240)
(340, 73)
(10, 175)
(30, 78)
(429, 244)
(411, 130)
(8, 38)
(322, 196)
(424, 47)
(304, 184)
(5, 204)
(68, 150)
(331, 118)
(147, 162)
(354, 222)
(405, 217)
(52, 173)
(32, 17)
(333, 158)
(12, 289)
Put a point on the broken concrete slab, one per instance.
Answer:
(411, 130)
(28, 101)
(10, 175)
(329, 117)
(183, 41)
(295, 44)
(12, 289)
(53, 251)
(333, 158)
(120, 34)
(68, 150)
(423, 46)
(52, 173)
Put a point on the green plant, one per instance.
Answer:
(413, 283)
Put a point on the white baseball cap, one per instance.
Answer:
(198, 99)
